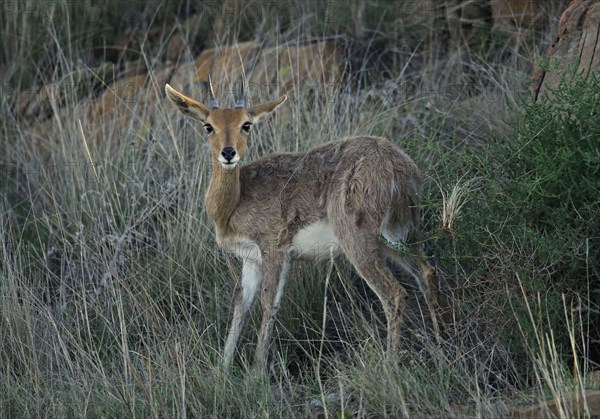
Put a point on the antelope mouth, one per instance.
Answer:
(229, 164)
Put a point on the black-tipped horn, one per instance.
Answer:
(213, 100)
(239, 101)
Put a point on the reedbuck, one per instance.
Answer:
(355, 195)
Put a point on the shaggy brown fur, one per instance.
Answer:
(339, 196)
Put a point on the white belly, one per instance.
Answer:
(316, 242)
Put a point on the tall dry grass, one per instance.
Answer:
(114, 299)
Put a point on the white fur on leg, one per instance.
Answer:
(251, 279)
(268, 321)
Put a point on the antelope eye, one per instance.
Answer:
(209, 128)
(246, 126)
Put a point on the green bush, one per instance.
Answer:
(552, 203)
(529, 234)
(553, 167)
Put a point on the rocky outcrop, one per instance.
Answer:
(297, 70)
(576, 405)
(284, 68)
(515, 15)
(469, 20)
(576, 48)
(291, 69)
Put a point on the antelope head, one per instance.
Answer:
(228, 129)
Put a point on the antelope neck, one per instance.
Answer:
(223, 195)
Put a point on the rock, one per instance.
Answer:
(466, 19)
(134, 68)
(41, 102)
(594, 379)
(576, 405)
(176, 47)
(36, 103)
(517, 15)
(187, 39)
(517, 18)
(123, 105)
(575, 48)
(291, 69)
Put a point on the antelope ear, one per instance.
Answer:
(186, 105)
(258, 112)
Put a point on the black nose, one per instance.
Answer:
(228, 153)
